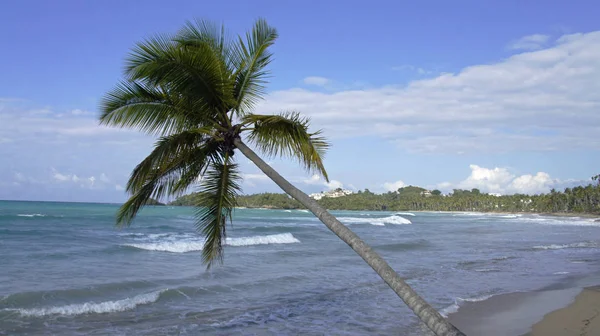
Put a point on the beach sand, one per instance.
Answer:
(580, 318)
(559, 312)
(510, 314)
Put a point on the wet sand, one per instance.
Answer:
(580, 318)
(511, 314)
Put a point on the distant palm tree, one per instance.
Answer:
(196, 90)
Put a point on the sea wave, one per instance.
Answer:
(190, 245)
(91, 307)
(397, 220)
(566, 246)
(459, 301)
(404, 214)
(487, 270)
(31, 215)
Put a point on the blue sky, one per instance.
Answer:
(502, 95)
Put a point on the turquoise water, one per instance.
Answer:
(66, 270)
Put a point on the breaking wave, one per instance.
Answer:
(395, 219)
(566, 246)
(91, 307)
(404, 214)
(459, 301)
(31, 215)
(189, 245)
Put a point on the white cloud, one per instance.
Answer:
(393, 186)
(418, 70)
(78, 112)
(119, 187)
(530, 42)
(251, 179)
(317, 81)
(83, 182)
(60, 177)
(538, 183)
(334, 184)
(317, 180)
(502, 181)
(543, 100)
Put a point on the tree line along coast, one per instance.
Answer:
(577, 200)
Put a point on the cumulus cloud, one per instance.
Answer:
(317, 81)
(19, 123)
(542, 100)
(251, 179)
(393, 186)
(317, 180)
(530, 42)
(502, 181)
(83, 182)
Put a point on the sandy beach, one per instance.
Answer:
(560, 312)
(580, 318)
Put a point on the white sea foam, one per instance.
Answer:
(189, 244)
(377, 221)
(560, 273)
(404, 214)
(92, 307)
(566, 246)
(458, 302)
(287, 210)
(487, 270)
(302, 210)
(282, 238)
(171, 246)
(566, 221)
(31, 215)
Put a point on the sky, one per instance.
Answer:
(503, 96)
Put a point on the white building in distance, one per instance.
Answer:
(339, 192)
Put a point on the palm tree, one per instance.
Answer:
(196, 90)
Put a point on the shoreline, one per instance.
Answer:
(580, 318)
(550, 214)
(573, 311)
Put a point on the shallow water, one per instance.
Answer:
(66, 270)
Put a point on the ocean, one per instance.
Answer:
(66, 270)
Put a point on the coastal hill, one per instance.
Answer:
(581, 199)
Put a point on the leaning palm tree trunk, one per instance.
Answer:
(436, 322)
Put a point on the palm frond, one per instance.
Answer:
(197, 75)
(251, 58)
(216, 201)
(149, 109)
(200, 32)
(171, 150)
(287, 135)
(175, 164)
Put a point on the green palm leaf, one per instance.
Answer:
(169, 151)
(251, 58)
(147, 108)
(215, 203)
(287, 135)
(196, 74)
(167, 173)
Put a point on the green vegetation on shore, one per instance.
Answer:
(581, 199)
(152, 201)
